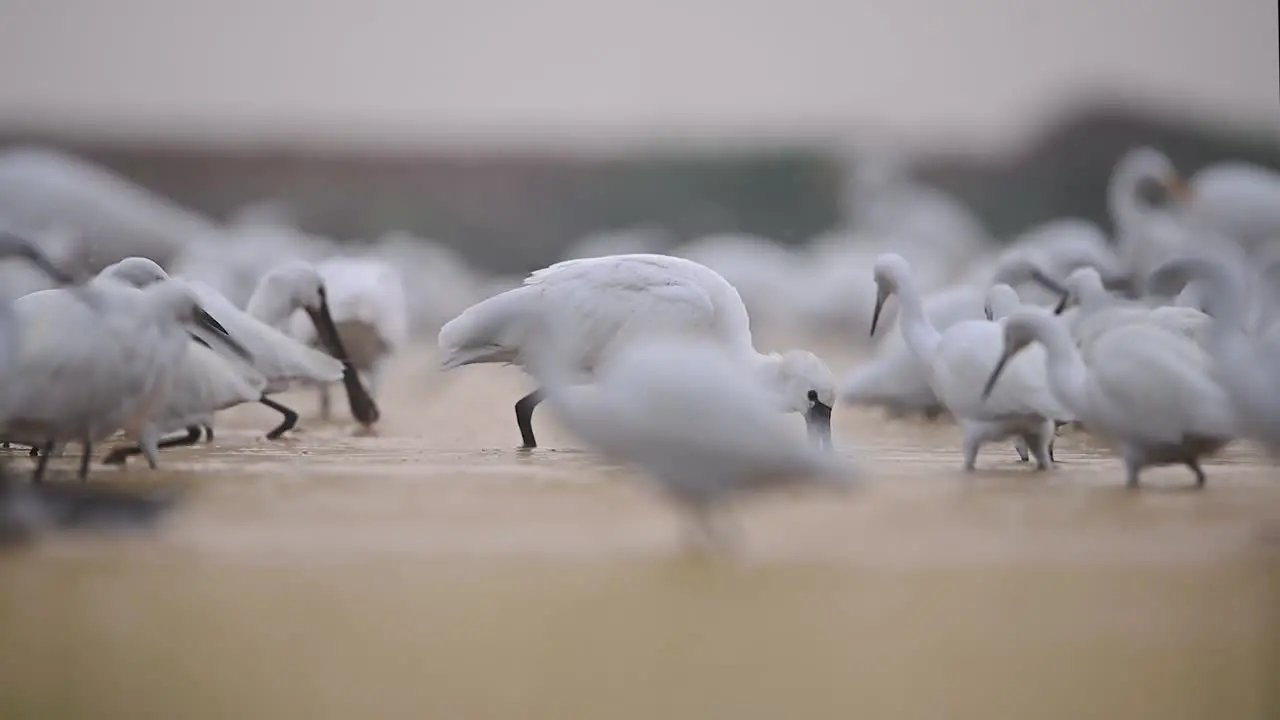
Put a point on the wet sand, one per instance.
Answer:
(434, 571)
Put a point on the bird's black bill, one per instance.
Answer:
(1048, 283)
(817, 420)
(875, 315)
(363, 408)
(995, 376)
(197, 339)
(1062, 304)
(211, 325)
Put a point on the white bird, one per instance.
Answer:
(1003, 301)
(1052, 250)
(685, 411)
(366, 304)
(1147, 392)
(1097, 311)
(89, 368)
(204, 383)
(278, 358)
(1246, 363)
(959, 359)
(14, 246)
(41, 189)
(1149, 230)
(612, 299)
(1236, 200)
(892, 379)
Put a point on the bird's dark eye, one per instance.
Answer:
(813, 396)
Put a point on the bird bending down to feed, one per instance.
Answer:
(959, 359)
(278, 358)
(1147, 392)
(688, 414)
(90, 367)
(607, 301)
(362, 310)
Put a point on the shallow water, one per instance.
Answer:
(434, 571)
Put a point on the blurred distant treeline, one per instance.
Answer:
(512, 214)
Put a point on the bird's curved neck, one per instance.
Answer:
(920, 335)
(269, 306)
(1128, 210)
(1068, 375)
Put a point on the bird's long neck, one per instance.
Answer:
(1128, 210)
(1068, 375)
(269, 306)
(920, 335)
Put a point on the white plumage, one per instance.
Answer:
(366, 301)
(276, 357)
(609, 301)
(689, 414)
(89, 368)
(1098, 311)
(1246, 363)
(1149, 393)
(959, 359)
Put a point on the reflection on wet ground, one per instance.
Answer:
(434, 571)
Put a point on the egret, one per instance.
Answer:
(1147, 392)
(958, 360)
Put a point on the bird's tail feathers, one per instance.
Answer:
(489, 331)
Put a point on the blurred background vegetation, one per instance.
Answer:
(513, 213)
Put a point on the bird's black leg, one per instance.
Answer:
(42, 462)
(85, 457)
(208, 433)
(1195, 468)
(524, 417)
(290, 418)
(120, 454)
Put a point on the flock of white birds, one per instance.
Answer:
(135, 317)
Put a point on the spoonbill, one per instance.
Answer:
(686, 412)
(86, 369)
(362, 311)
(610, 300)
(277, 357)
(1148, 392)
(204, 383)
(958, 359)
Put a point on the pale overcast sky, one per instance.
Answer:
(976, 72)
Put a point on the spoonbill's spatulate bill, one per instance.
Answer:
(1148, 392)
(609, 300)
(362, 319)
(278, 358)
